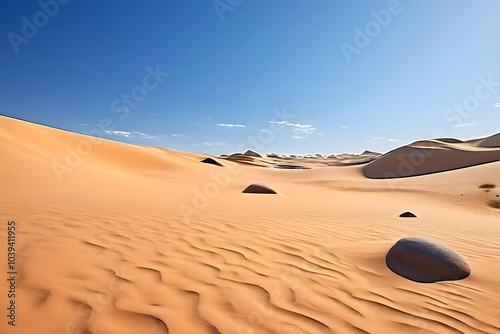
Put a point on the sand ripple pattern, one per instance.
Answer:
(148, 271)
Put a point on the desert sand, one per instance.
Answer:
(115, 238)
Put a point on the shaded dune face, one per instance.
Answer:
(291, 167)
(257, 188)
(492, 141)
(426, 261)
(450, 140)
(426, 158)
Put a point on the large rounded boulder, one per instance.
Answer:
(426, 261)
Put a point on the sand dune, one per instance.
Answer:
(432, 156)
(134, 240)
(492, 141)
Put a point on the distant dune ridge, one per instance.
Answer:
(292, 161)
(114, 238)
(252, 154)
(492, 141)
(433, 156)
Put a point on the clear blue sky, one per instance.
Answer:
(351, 82)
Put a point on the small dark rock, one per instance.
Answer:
(408, 214)
(258, 189)
(211, 162)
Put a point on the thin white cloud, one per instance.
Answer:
(140, 135)
(382, 140)
(90, 124)
(279, 122)
(208, 143)
(144, 135)
(296, 125)
(135, 134)
(304, 131)
(122, 110)
(461, 125)
(300, 126)
(496, 105)
(344, 126)
(119, 133)
(300, 131)
(228, 125)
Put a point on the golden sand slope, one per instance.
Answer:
(133, 240)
